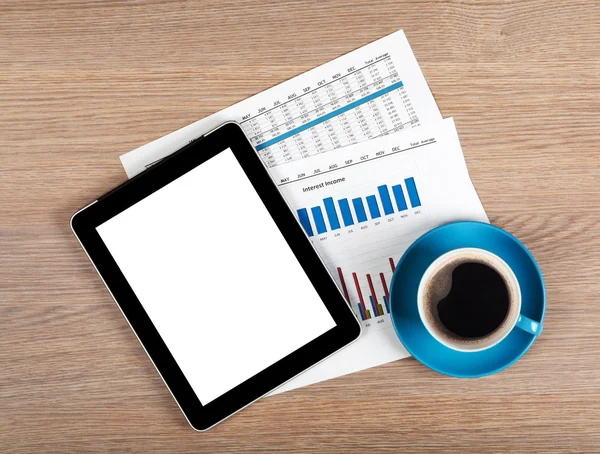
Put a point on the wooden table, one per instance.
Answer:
(82, 82)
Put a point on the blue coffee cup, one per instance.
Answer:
(512, 319)
(433, 347)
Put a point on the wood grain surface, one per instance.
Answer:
(82, 82)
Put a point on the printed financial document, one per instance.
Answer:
(372, 91)
(362, 206)
(342, 143)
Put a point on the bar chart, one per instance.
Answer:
(375, 308)
(362, 207)
(379, 204)
(371, 202)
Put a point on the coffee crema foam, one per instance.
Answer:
(439, 285)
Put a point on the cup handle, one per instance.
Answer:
(531, 326)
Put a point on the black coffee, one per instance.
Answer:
(478, 301)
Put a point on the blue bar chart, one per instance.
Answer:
(305, 221)
(319, 221)
(373, 207)
(399, 197)
(413, 195)
(334, 222)
(377, 205)
(346, 214)
(386, 201)
(359, 209)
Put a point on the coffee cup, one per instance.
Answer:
(469, 300)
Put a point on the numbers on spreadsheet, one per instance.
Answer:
(365, 103)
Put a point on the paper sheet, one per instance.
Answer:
(372, 91)
(362, 206)
(364, 105)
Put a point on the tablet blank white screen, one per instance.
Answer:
(216, 277)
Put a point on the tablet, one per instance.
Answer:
(215, 276)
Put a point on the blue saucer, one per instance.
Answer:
(405, 283)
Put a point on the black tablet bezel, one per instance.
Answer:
(84, 224)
